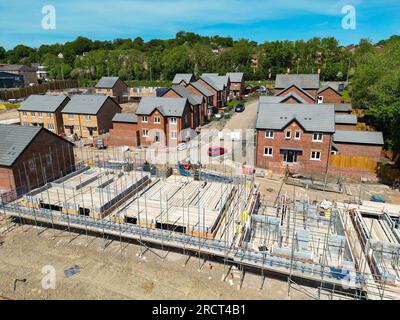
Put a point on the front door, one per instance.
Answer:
(290, 156)
(157, 138)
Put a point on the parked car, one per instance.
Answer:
(100, 144)
(181, 146)
(216, 151)
(239, 108)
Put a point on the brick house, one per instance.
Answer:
(346, 121)
(223, 82)
(199, 90)
(299, 92)
(28, 73)
(89, 115)
(44, 111)
(161, 120)
(183, 79)
(217, 90)
(358, 143)
(112, 87)
(328, 94)
(291, 98)
(125, 130)
(307, 82)
(298, 137)
(32, 156)
(197, 103)
(237, 83)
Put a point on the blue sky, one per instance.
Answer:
(259, 20)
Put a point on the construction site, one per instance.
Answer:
(340, 250)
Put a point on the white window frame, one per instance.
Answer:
(33, 114)
(145, 119)
(157, 118)
(295, 135)
(172, 133)
(268, 134)
(269, 154)
(173, 120)
(48, 115)
(286, 135)
(50, 126)
(24, 113)
(313, 155)
(71, 116)
(40, 114)
(145, 132)
(318, 140)
(88, 117)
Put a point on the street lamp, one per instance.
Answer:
(61, 56)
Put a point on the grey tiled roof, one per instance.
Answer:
(216, 85)
(343, 107)
(219, 80)
(279, 99)
(85, 104)
(299, 88)
(107, 82)
(42, 103)
(185, 93)
(170, 107)
(312, 117)
(359, 137)
(202, 89)
(187, 77)
(15, 67)
(345, 119)
(326, 87)
(304, 81)
(125, 117)
(235, 76)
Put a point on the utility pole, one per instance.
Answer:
(348, 71)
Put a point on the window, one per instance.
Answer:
(297, 135)
(144, 119)
(40, 114)
(145, 133)
(50, 126)
(71, 117)
(24, 113)
(48, 115)
(33, 114)
(88, 117)
(31, 164)
(173, 121)
(318, 137)
(173, 135)
(269, 134)
(315, 155)
(186, 118)
(157, 120)
(268, 152)
(288, 135)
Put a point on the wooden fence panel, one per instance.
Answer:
(353, 162)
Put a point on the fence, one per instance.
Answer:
(353, 162)
(16, 93)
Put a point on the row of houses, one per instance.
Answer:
(303, 126)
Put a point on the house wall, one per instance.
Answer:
(236, 88)
(298, 92)
(117, 91)
(330, 96)
(206, 104)
(217, 95)
(124, 134)
(304, 163)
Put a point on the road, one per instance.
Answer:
(246, 119)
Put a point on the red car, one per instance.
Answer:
(216, 151)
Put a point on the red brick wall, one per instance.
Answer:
(331, 96)
(298, 92)
(238, 87)
(217, 95)
(346, 127)
(124, 134)
(205, 104)
(6, 180)
(358, 150)
(304, 164)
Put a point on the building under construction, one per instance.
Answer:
(349, 251)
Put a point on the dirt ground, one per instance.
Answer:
(8, 114)
(110, 274)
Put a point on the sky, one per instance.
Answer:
(258, 20)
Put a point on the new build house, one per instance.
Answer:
(308, 82)
(89, 115)
(217, 89)
(199, 90)
(112, 87)
(236, 83)
(31, 156)
(345, 121)
(299, 92)
(43, 111)
(161, 120)
(297, 137)
(197, 103)
(328, 94)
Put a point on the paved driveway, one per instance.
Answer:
(246, 119)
